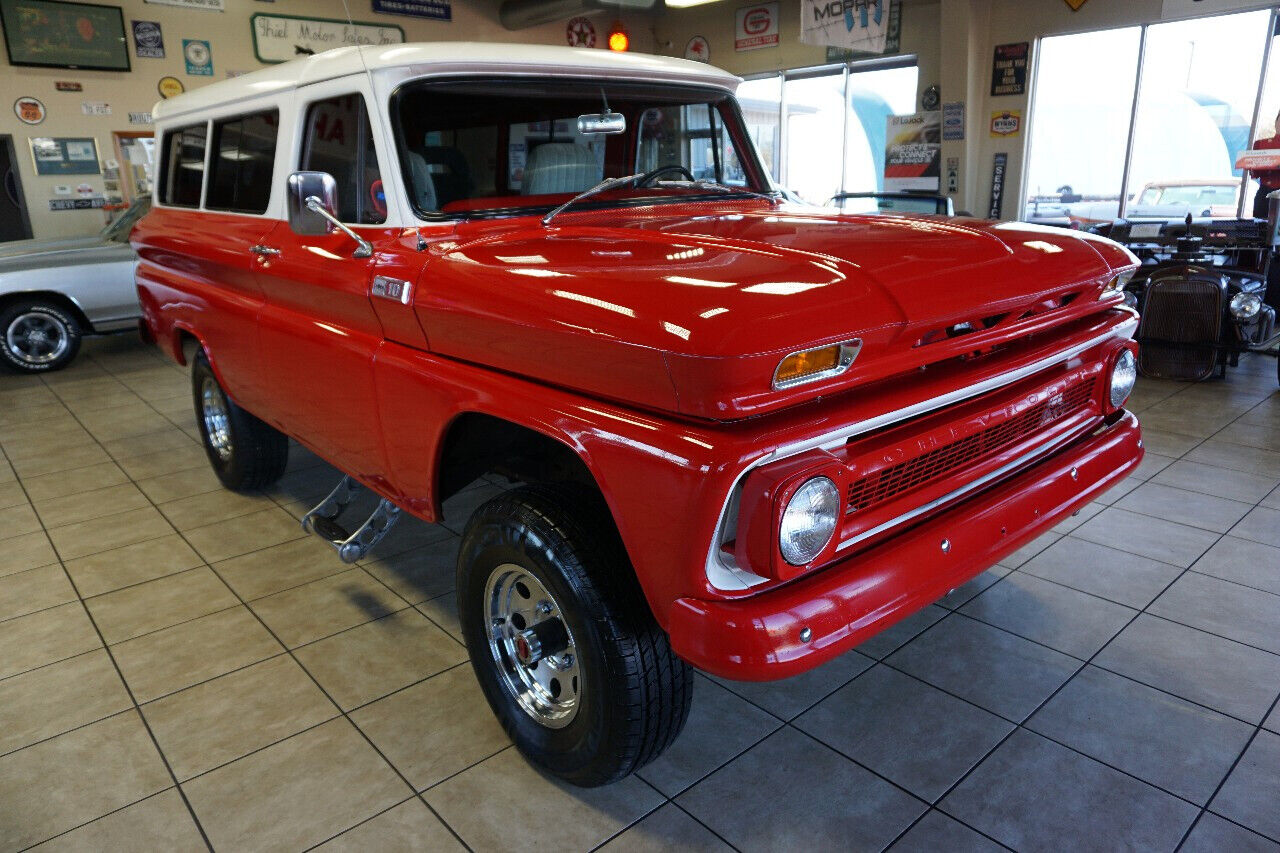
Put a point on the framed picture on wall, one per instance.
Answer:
(50, 34)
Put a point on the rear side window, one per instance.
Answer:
(182, 166)
(244, 154)
(339, 141)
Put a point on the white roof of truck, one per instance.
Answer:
(430, 58)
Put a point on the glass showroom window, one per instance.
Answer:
(833, 136)
(815, 109)
(761, 103)
(1195, 107)
(1146, 122)
(1084, 101)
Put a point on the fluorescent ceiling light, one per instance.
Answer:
(685, 4)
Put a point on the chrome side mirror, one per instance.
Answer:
(303, 219)
(313, 202)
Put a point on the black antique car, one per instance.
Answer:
(1208, 291)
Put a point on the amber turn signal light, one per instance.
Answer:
(814, 364)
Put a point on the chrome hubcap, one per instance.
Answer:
(532, 646)
(37, 338)
(213, 410)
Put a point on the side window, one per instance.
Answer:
(244, 153)
(182, 166)
(339, 140)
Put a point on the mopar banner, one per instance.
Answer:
(860, 25)
(913, 152)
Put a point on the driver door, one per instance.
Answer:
(319, 332)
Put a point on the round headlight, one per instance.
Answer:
(1131, 300)
(809, 521)
(1123, 376)
(1245, 306)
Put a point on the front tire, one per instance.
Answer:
(561, 639)
(37, 337)
(245, 453)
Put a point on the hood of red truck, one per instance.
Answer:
(690, 307)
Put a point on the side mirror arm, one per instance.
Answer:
(363, 249)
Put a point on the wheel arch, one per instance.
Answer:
(61, 300)
(475, 443)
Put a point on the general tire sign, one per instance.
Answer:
(756, 27)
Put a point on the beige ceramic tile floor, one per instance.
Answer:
(181, 669)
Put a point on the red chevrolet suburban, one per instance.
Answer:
(747, 434)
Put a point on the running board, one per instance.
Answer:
(323, 522)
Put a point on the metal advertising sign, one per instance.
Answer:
(998, 169)
(206, 5)
(953, 121)
(279, 38)
(77, 203)
(756, 27)
(148, 41)
(198, 56)
(580, 32)
(1006, 122)
(29, 110)
(435, 10)
(1009, 69)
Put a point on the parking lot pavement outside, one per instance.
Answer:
(181, 669)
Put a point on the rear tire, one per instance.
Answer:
(609, 696)
(37, 337)
(245, 453)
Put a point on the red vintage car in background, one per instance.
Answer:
(746, 435)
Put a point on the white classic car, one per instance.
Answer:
(52, 292)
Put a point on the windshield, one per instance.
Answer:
(502, 146)
(119, 229)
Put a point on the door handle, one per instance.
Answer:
(264, 251)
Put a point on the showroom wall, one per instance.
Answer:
(715, 23)
(231, 45)
(954, 41)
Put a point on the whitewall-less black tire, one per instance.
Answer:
(561, 638)
(37, 337)
(245, 453)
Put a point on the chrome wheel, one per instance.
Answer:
(213, 410)
(532, 646)
(37, 338)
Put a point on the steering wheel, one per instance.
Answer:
(649, 177)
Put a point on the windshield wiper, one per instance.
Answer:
(704, 184)
(614, 183)
(603, 186)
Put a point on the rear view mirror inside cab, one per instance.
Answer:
(602, 123)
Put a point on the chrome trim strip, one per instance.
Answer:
(732, 577)
(966, 489)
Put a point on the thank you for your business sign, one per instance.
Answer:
(279, 38)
